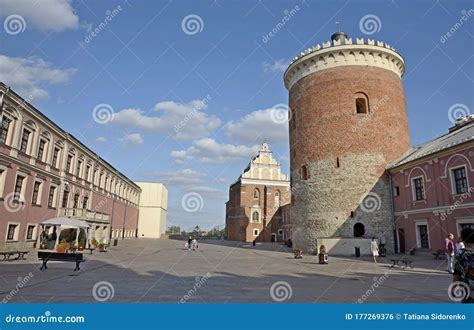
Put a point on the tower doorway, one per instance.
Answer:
(359, 229)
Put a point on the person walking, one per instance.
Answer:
(374, 248)
(190, 241)
(449, 249)
(194, 244)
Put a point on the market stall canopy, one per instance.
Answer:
(66, 222)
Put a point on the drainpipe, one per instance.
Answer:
(124, 217)
(265, 229)
(395, 238)
(112, 218)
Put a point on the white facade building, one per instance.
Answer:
(153, 209)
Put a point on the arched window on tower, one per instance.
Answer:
(361, 103)
(277, 198)
(256, 194)
(359, 230)
(255, 216)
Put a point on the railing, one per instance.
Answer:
(85, 214)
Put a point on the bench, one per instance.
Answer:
(7, 254)
(46, 256)
(407, 262)
(437, 255)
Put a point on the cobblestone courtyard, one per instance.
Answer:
(149, 270)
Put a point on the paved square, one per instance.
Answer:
(146, 270)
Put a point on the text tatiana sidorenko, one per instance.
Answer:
(433, 316)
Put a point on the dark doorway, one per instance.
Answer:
(359, 230)
(401, 240)
(423, 230)
(274, 238)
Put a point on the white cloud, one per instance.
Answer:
(101, 139)
(277, 66)
(180, 156)
(268, 125)
(181, 178)
(208, 150)
(132, 139)
(182, 121)
(46, 15)
(28, 76)
(188, 180)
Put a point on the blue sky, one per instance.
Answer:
(192, 102)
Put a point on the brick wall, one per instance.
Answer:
(345, 153)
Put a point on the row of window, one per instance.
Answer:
(256, 232)
(49, 152)
(459, 181)
(118, 233)
(423, 233)
(13, 232)
(19, 193)
(256, 196)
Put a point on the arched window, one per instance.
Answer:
(256, 194)
(361, 103)
(359, 230)
(255, 216)
(277, 198)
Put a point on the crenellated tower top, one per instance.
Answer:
(342, 51)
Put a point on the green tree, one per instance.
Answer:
(174, 230)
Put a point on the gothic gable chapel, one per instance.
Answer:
(254, 209)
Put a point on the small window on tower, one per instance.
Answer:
(361, 103)
(338, 163)
(304, 172)
(396, 191)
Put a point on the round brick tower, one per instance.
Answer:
(347, 122)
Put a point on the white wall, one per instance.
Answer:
(153, 208)
(345, 246)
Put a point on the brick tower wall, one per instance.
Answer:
(325, 131)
